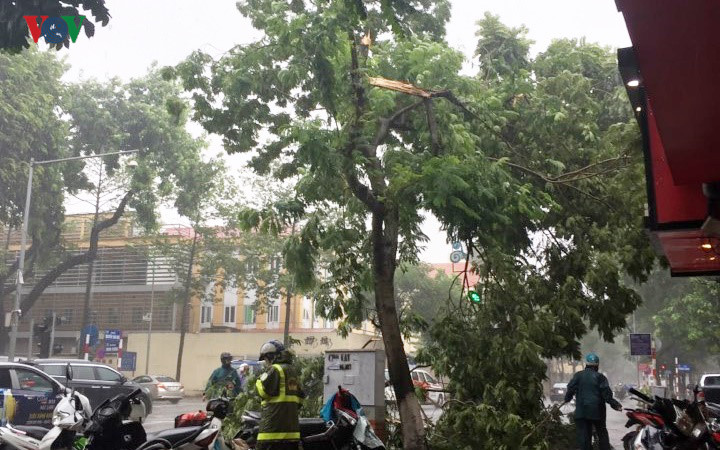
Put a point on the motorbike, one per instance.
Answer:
(69, 418)
(109, 428)
(346, 427)
(672, 424)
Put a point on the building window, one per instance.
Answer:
(69, 315)
(249, 314)
(113, 315)
(306, 314)
(206, 314)
(229, 314)
(137, 314)
(273, 314)
(162, 314)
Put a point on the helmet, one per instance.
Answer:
(592, 359)
(270, 349)
(225, 355)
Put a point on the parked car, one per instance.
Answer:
(423, 380)
(255, 366)
(710, 385)
(557, 392)
(162, 387)
(32, 394)
(96, 381)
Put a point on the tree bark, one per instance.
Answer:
(384, 240)
(90, 279)
(186, 307)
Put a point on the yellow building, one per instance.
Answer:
(128, 284)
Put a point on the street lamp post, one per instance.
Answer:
(16, 313)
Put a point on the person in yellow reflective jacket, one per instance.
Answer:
(279, 388)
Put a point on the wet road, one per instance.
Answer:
(615, 422)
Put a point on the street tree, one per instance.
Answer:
(554, 246)
(30, 94)
(145, 114)
(535, 168)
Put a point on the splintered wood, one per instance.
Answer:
(400, 86)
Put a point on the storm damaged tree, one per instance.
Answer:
(364, 105)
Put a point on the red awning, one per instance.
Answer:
(677, 46)
(674, 64)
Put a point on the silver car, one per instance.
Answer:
(162, 387)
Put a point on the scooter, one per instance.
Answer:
(69, 417)
(681, 424)
(109, 429)
(346, 427)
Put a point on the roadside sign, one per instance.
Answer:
(684, 367)
(129, 361)
(640, 344)
(93, 332)
(112, 340)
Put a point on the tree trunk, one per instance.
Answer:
(186, 307)
(90, 279)
(384, 240)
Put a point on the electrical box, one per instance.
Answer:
(362, 372)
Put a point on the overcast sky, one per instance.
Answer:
(165, 31)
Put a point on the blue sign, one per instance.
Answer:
(91, 330)
(640, 344)
(112, 341)
(129, 361)
(683, 367)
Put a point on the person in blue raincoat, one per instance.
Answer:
(591, 391)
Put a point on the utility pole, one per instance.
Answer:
(15, 313)
(30, 338)
(52, 334)
(149, 334)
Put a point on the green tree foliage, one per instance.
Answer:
(688, 326)
(553, 263)
(539, 174)
(420, 294)
(30, 95)
(15, 34)
(145, 114)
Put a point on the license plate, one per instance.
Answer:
(173, 388)
(561, 391)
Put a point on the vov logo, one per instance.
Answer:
(54, 29)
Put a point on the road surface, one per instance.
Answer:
(615, 422)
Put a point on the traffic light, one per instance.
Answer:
(474, 296)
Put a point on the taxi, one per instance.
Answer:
(29, 395)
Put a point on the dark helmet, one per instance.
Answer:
(225, 356)
(271, 349)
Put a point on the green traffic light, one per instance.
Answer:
(474, 296)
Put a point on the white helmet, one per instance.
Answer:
(270, 349)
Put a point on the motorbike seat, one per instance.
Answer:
(176, 436)
(312, 426)
(32, 431)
